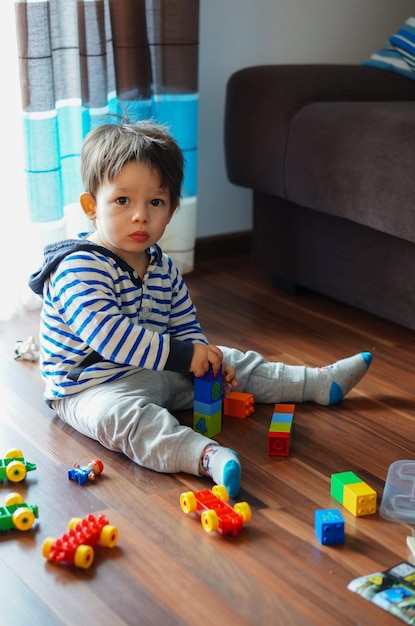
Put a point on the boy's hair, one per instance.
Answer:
(108, 147)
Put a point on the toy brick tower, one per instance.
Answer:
(207, 410)
(279, 435)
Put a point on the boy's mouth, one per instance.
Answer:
(139, 236)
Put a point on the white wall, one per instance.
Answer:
(239, 33)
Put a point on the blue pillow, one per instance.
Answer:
(398, 53)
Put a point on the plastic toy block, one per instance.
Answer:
(207, 418)
(210, 376)
(214, 510)
(279, 434)
(353, 493)
(208, 390)
(338, 481)
(359, 499)
(329, 526)
(239, 404)
(280, 423)
(278, 444)
(207, 408)
(208, 425)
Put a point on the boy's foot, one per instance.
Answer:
(328, 385)
(223, 466)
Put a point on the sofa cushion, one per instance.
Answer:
(398, 54)
(350, 159)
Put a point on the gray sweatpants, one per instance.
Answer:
(132, 415)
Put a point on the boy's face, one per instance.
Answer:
(131, 212)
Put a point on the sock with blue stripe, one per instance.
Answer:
(328, 385)
(223, 466)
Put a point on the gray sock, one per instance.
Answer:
(324, 385)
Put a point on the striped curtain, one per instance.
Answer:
(81, 60)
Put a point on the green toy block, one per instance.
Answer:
(280, 427)
(208, 425)
(338, 481)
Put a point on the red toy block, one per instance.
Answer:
(278, 444)
(239, 404)
(279, 435)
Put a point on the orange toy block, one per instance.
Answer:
(239, 404)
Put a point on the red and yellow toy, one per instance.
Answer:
(75, 546)
(214, 510)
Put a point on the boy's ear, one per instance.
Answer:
(88, 205)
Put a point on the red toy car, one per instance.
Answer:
(75, 546)
(214, 510)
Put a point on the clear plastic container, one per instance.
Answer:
(398, 500)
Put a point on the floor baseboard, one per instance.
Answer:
(229, 244)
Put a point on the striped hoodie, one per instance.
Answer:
(100, 319)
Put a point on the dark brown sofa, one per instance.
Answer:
(329, 152)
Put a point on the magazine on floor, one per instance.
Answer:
(392, 590)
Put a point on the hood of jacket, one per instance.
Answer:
(55, 252)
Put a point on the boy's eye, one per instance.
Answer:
(157, 202)
(123, 200)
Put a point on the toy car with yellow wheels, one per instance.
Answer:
(76, 546)
(14, 467)
(214, 510)
(16, 513)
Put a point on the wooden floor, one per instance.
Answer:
(166, 570)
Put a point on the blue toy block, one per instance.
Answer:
(208, 389)
(210, 376)
(329, 526)
(207, 409)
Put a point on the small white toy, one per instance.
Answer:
(27, 350)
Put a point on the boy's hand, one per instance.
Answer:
(203, 356)
(228, 378)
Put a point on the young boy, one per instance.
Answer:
(120, 341)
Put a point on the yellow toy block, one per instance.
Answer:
(359, 499)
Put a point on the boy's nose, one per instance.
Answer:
(140, 215)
